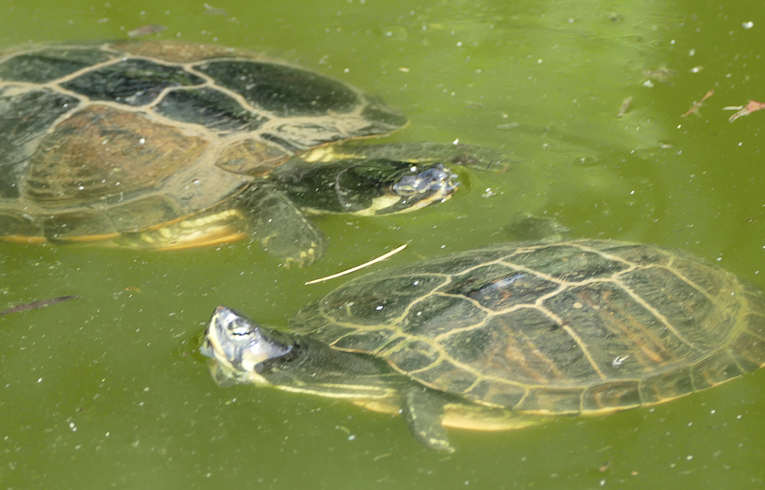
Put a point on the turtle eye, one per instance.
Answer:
(239, 328)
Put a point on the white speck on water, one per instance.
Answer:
(72, 426)
(39, 380)
(416, 283)
(142, 141)
(712, 412)
(747, 25)
(413, 168)
(456, 141)
(689, 457)
(648, 84)
(379, 307)
(690, 424)
(351, 437)
(619, 360)
(739, 417)
(692, 52)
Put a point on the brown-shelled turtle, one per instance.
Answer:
(171, 145)
(507, 336)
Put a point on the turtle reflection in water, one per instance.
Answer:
(507, 336)
(170, 145)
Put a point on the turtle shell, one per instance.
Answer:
(571, 327)
(103, 139)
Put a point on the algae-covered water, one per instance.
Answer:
(586, 99)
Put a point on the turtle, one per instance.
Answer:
(508, 336)
(169, 145)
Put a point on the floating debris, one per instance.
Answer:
(741, 111)
(358, 267)
(626, 103)
(146, 30)
(34, 305)
(210, 10)
(697, 105)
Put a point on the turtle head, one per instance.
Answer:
(243, 349)
(375, 187)
(367, 186)
(419, 187)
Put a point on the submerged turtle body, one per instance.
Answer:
(497, 337)
(112, 141)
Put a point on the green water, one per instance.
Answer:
(108, 391)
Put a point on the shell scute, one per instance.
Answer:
(613, 394)
(101, 151)
(713, 370)
(284, 91)
(33, 112)
(49, 64)
(444, 374)
(567, 262)
(499, 286)
(378, 302)
(436, 314)
(210, 108)
(552, 399)
(134, 82)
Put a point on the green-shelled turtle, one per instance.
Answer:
(170, 145)
(507, 336)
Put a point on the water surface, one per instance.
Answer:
(108, 391)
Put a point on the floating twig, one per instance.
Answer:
(626, 103)
(358, 267)
(697, 104)
(34, 305)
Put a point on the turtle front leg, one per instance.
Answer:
(280, 226)
(423, 410)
